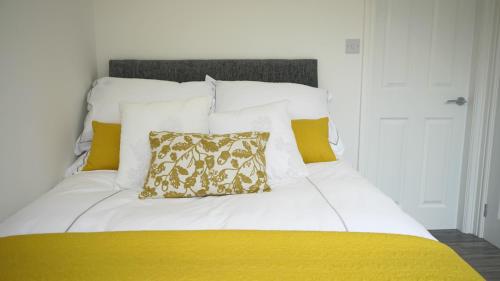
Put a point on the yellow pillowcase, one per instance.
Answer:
(312, 140)
(105, 150)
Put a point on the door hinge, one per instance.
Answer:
(485, 211)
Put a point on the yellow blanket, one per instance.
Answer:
(228, 255)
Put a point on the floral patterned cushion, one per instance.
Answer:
(192, 164)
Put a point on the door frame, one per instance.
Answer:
(481, 117)
(366, 73)
(476, 164)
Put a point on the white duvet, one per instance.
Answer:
(333, 198)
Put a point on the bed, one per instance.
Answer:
(332, 224)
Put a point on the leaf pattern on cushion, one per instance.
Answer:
(197, 165)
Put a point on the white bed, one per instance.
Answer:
(333, 198)
(305, 216)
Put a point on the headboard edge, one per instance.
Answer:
(301, 71)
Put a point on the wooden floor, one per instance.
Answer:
(479, 253)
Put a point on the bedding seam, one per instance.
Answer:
(89, 208)
(329, 204)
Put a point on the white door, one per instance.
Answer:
(417, 57)
(492, 220)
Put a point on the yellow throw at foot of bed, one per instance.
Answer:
(228, 255)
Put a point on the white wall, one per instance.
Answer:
(47, 63)
(193, 29)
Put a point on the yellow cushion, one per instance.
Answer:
(312, 140)
(105, 149)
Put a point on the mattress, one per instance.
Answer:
(334, 197)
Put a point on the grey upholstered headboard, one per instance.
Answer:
(302, 71)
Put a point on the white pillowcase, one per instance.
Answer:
(283, 159)
(107, 93)
(77, 166)
(305, 102)
(139, 119)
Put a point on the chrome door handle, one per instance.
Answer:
(458, 101)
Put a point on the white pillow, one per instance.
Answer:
(77, 166)
(139, 119)
(107, 93)
(283, 160)
(305, 102)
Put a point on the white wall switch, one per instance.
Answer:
(352, 46)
